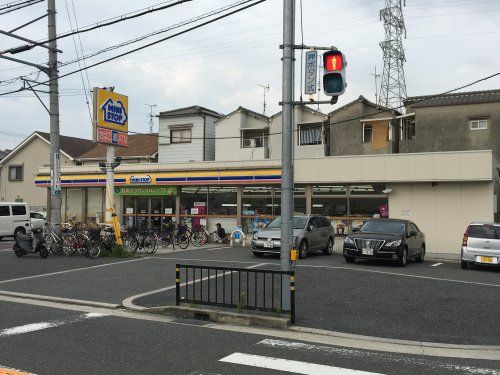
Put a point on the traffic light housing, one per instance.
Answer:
(334, 77)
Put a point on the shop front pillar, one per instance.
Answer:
(309, 192)
(239, 200)
(178, 206)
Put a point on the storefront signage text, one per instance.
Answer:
(146, 190)
(140, 179)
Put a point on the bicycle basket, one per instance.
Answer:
(95, 233)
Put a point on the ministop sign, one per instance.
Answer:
(110, 117)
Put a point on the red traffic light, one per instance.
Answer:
(333, 61)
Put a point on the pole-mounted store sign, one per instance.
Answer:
(110, 117)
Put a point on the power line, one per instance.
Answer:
(147, 45)
(346, 120)
(13, 7)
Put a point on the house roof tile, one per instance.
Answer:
(139, 145)
(458, 98)
(192, 110)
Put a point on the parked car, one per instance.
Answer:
(481, 245)
(398, 240)
(38, 219)
(310, 233)
(14, 219)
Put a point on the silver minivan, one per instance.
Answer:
(481, 245)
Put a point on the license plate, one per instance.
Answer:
(367, 251)
(486, 259)
(268, 244)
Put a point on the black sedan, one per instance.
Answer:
(398, 240)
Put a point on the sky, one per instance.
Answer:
(221, 66)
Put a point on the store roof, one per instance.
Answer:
(192, 110)
(139, 146)
(458, 98)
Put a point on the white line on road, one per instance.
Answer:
(27, 328)
(295, 367)
(436, 264)
(72, 270)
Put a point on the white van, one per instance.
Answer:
(14, 218)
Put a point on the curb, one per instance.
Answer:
(60, 300)
(218, 316)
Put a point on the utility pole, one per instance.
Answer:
(151, 126)
(287, 144)
(266, 89)
(376, 76)
(55, 161)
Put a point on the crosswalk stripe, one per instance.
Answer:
(27, 328)
(294, 367)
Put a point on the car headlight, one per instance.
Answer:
(255, 237)
(393, 243)
(349, 240)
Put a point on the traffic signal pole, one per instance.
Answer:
(55, 155)
(287, 145)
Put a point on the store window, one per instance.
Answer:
(333, 207)
(367, 189)
(95, 211)
(257, 201)
(330, 190)
(299, 201)
(194, 200)
(222, 201)
(169, 205)
(74, 202)
(368, 207)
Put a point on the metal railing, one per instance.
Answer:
(239, 288)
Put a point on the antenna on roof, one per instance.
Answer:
(266, 90)
(376, 76)
(151, 116)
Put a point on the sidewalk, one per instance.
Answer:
(207, 246)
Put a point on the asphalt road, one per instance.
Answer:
(419, 302)
(45, 340)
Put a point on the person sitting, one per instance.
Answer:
(220, 233)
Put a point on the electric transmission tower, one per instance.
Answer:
(151, 117)
(393, 85)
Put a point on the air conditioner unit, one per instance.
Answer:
(250, 143)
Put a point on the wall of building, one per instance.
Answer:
(210, 138)
(442, 211)
(230, 149)
(346, 135)
(301, 116)
(32, 156)
(181, 152)
(447, 128)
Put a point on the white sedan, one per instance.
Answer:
(38, 219)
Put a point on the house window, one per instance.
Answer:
(478, 124)
(180, 136)
(367, 133)
(254, 138)
(16, 173)
(310, 135)
(408, 130)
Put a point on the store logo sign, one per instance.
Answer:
(114, 112)
(140, 179)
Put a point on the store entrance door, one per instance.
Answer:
(148, 212)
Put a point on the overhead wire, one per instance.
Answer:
(8, 9)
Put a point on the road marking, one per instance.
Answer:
(436, 264)
(72, 270)
(11, 371)
(377, 356)
(400, 274)
(27, 328)
(287, 365)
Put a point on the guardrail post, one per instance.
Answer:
(177, 284)
(292, 297)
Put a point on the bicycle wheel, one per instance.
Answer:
(131, 243)
(43, 251)
(82, 242)
(182, 240)
(93, 250)
(150, 243)
(199, 238)
(69, 244)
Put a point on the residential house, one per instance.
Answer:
(187, 135)
(21, 165)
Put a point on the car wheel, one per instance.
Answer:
(19, 231)
(403, 258)
(329, 247)
(464, 264)
(1, 238)
(258, 255)
(350, 259)
(420, 258)
(303, 250)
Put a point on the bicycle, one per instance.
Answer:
(147, 240)
(175, 234)
(200, 236)
(66, 243)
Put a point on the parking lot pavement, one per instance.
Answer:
(419, 302)
(45, 340)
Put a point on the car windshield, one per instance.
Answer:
(299, 222)
(375, 226)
